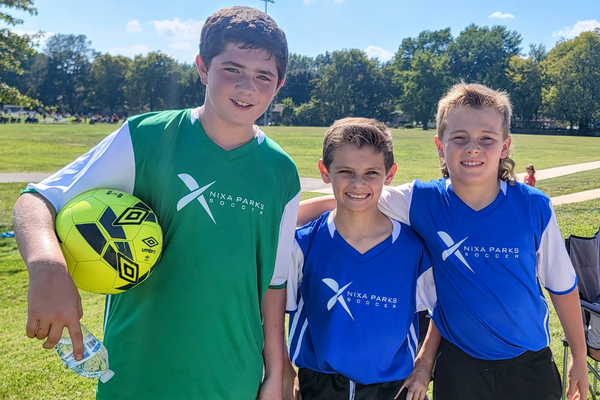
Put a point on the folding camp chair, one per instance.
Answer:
(585, 256)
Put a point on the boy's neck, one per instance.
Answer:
(362, 230)
(227, 136)
(477, 197)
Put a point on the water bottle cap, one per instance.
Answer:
(106, 377)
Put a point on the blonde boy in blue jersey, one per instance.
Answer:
(194, 329)
(358, 278)
(493, 243)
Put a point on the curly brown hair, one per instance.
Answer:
(478, 97)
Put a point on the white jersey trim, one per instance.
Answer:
(285, 243)
(395, 202)
(195, 116)
(110, 164)
(554, 268)
(396, 227)
(294, 279)
(426, 294)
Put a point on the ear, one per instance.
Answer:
(278, 87)
(389, 177)
(506, 147)
(324, 172)
(202, 70)
(439, 145)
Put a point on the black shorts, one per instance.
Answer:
(319, 386)
(532, 375)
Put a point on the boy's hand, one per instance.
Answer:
(291, 384)
(54, 303)
(270, 390)
(417, 382)
(578, 380)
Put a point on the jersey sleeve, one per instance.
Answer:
(294, 277)
(395, 202)
(554, 268)
(110, 164)
(285, 243)
(426, 294)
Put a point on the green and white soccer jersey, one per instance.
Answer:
(193, 330)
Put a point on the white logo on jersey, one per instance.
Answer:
(339, 295)
(453, 248)
(196, 194)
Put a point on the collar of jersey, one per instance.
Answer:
(228, 155)
(462, 206)
(371, 253)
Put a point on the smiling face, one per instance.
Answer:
(357, 176)
(240, 84)
(472, 145)
(529, 171)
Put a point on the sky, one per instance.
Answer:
(312, 27)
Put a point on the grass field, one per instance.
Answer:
(29, 372)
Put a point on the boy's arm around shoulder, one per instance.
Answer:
(53, 299)
(394, 202)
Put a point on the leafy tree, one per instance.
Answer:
(481, 55)
(538, 53)
(312, 113)
(107, 79)
(152, 82)
(573, 72)
(424, 84)
(69, 60)
(434, 42)
(287, 113)
(353, 85)
(299, 79)
(191, 90)
(525, 87)
(13, 49)
(422, 73)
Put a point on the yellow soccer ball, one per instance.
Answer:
(111, 240)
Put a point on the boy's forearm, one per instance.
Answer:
(312, 209)
(35, 235)
(568, 309)
(426, 356)
(273, 327)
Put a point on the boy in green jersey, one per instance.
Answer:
(194, 329)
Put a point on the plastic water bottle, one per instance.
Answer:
(94, 363)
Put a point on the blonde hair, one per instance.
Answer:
(359, 132)
(478, 97)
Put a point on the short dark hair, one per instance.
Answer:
(248, 27)
(359, 132)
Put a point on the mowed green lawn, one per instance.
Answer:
(29, 372)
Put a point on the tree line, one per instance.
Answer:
(562, 84)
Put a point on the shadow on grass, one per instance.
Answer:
(10, 272)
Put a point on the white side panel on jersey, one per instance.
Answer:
(426, 295)
(294, 278)
(287, 228)
(554, 267)
(395, 202)
(109, 165)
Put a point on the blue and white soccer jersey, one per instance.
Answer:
(488, 264)
(355, 314)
